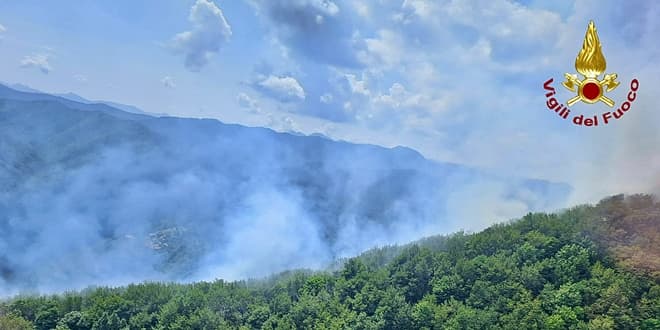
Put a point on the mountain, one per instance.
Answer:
(95, 196)
(543, 271)
(122, 107)
(22, 88)
(29, 92)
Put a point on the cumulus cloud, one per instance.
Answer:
(395, 107)
(398, 97)
(284, 89)
(519, 31)
(168, 82)
(209, 33)
(37, 61)
(319, 30)
(387, 48)
(357, 86)
(248, 103)
(2, 28)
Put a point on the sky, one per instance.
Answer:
(459, 81)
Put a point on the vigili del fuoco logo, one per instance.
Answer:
(590, 64)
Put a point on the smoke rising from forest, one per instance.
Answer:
(180, 199)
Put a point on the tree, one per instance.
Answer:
(412, 272)
(142, 320)
(571, 263)
(457, 315)
(26, 308)
(202, 319)
(15, 322)
(602, 322)
(565, 318)
(448, 287)
(257, 315)
(424, 313)
(393, 312)
(72, 320)
(109, 321)
(528, 312)
(542, 272)
(46, 318)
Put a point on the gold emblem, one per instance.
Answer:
(590, 62)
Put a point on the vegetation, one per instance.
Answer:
(590, 267)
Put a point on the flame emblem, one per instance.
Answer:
(590, 63)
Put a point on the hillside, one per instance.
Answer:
(544, 271)
(99, 196)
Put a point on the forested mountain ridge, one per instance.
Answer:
(588, 267)
(162, 198)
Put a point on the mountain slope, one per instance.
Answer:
(89, 192)
(544, 271)
(18, 89)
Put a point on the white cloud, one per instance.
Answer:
(285, 89)
(249, 103)
(2, 28)
(304, 8)
(318, 29)
(397, 107)
(209, 33)
(37, 61)
(357, 86)
(421, 8)
(397, 97)
(501, 18)
(389, 48)
(168, 82)
(479, 52)
(361, 8)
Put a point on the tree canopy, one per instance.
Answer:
(589, 267)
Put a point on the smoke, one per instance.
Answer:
(97, 200)
(621, 157)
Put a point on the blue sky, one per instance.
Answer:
(459, 81)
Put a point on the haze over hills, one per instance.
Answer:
(588, 267)
(95, 195)
(26, 90)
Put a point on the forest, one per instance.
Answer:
(587, 267)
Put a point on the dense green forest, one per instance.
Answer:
(589, 267)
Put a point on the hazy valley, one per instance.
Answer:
(95, 195)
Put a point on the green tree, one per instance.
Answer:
(393, 311)
(565, 318)
(142, 320)
(412, 272)
(202, 319)
(528, 312)
(571, 263)
(449, 287)
(72, 320)
(257, 315)
(15, 322)
(109, 321)
(47, 317)
(602, 323)
(424, 313)
(457, 315)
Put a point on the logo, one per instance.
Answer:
(590, 63)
